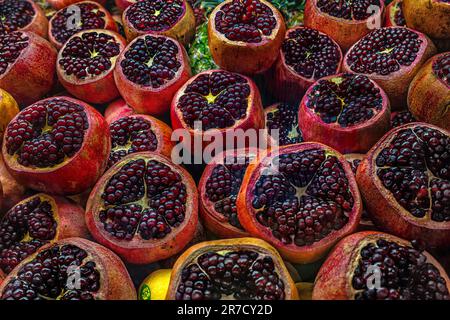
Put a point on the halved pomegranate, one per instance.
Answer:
(219, 187)
(219, 100)
(394, 14)
(58, 145)
(399, 118)
(13, 192)
(429, 92)
(145, 208)
(86, 63)
(70, 269)
(138, 133)
(348, 112)
(23, 15)
(81, 16)
(59, 4)
(245, 36)
(234, 269)
(27, 66)
(117, 109)
(405, 183)
(282, 124)
(345, 21)
(34, 222)
(150, 71)
(378, 266)
(301, 198)
(305, 56)
(392, 57)
(174, 18)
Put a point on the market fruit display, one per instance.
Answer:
(224, 150)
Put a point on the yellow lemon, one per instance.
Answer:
(8, 110)
(155, 286)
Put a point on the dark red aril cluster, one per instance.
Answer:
(348, 9)
(47, 276)
(218, 100)
(347, 100)
(89, 55)
(245, 20)
(11, 45)
(441, 67)
(399, 17)
(238, 275)
(415, 167)
(405, 274)
(401, 118)
(284, 118)
(46, 133)
(15, 14)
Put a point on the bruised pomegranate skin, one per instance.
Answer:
(392, 57)
(60, 4)
(429, 92)
(301, 198)
(245, 36)
(306, 55)
(117, 109)
(91, 16)
(394, 14)
(28, 66)
(34, 222)
(405, 181)
(23, 15)
(86, 63)
(149, 72)
(174, 19)
(144, 208)
(55, 156)
(232, 269)
(348, 112)
(102, 275)
(342, 275)
(347, 24)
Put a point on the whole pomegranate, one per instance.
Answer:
(23, 15)
(54, 271)
(117, 109)
(405, 183)
(58, 145)
(378, 266)
(27, 66)
(245, 36)
(429, 92)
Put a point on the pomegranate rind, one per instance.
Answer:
(123, 4)
(334, 280)
(60, 4)
(115, 283)
(391, 9)
(292, 252)
(146, 99)
(252, 244)
(357, 138)
(137, 250)
(384, 209)
(344, 32)
(13, 192)
(75, 174)
(94, 89)
(116, 110)
(243, 57)
(183, 30)
(431, 17)
(39, 23)
(32, 75)
(429, 96)
(396, 83)
(287, 85)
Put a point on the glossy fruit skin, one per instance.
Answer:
(353, 139)
(183, 31)
(78, 173)
(384, 209)
(333, 282)
(429, 96)
(117, 109)
(138, 251)
(431, 17)
(154, 287)
(242, 57)
(98, 90)
(59, 4)
(115, 282)
(8, 110)
(290, 252)
(344, 32)
(231, 244)
(32, 75)
(146, 99)
(396, 84)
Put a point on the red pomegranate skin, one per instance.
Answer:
(59, 4)
(123, 4)
(78, 173)
(117, 109)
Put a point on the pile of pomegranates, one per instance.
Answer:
(224, 149)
